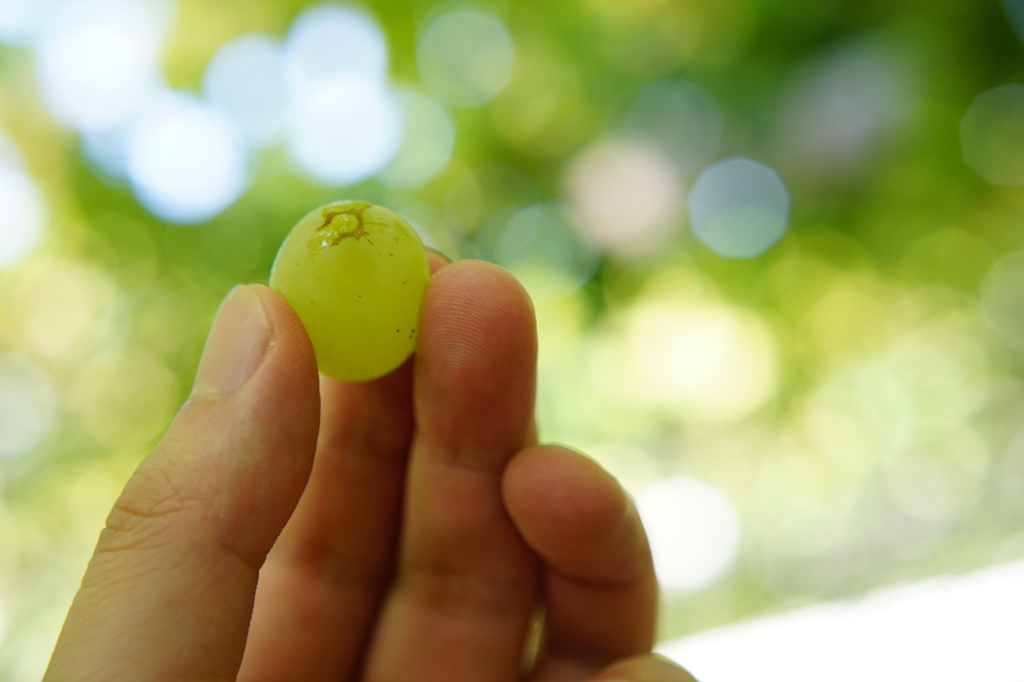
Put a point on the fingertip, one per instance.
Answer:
(555, 490)
(575, 515)
(476, 358)
(645, 668)
(254, 322)
(473, 303)
(475, 276)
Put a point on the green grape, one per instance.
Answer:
(355, 274)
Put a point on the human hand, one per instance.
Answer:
(409, 528)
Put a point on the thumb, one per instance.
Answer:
(168, 593)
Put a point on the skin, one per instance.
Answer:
(409, 528)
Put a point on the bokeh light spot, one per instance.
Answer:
(1003, 297)
(739, 208)
(842, 107)
(1011, 471)
(126, 399)
(677, 119)
(10, 154)
(952, 256)
(1015, 13)
(185, 160)
(20, 19)
(96, 62)
(427, 142)
(715, 364)
(428, 222)
(992, 135)
(937, 483)
(28, 406)
(23, 215)
(246, 80)
(694, 531)
(465, 57)
(326, 41)
(106, 152)
(482, 192)
(344, 129)
(541, 246)
(858, 416)
(629, 198)
(65, 311)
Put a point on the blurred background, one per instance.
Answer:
(775, 248)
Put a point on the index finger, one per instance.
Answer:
(323, 582)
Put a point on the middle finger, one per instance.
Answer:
(323, 581)
(466, 584)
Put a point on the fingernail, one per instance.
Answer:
(236, 343)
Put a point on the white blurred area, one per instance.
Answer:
(344, 129)
(97, 70)
(465, 57)
(24, 211)
(344, 124)
(629, 197)
(711, 363)
(246, 79)
(941, 630)
(739, 207)
(28, 406)
(992, 135)
(335, 40)
(185, 160)
(96, 61)
(21, 19)
(322, 92)
(693, 529)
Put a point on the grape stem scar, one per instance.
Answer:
(358, 231)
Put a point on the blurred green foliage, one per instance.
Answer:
(865, 424)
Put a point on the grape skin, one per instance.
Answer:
(355, 273)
